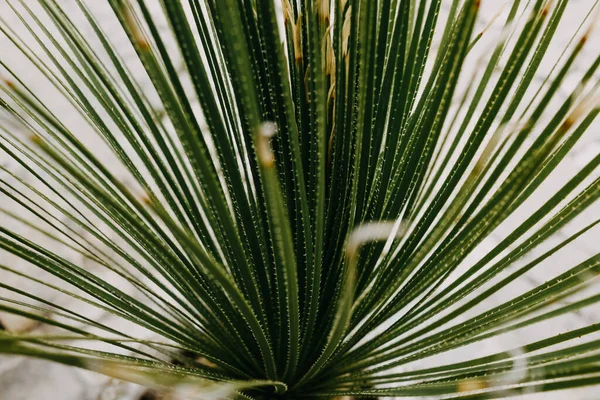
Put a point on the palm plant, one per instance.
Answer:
(307, 192)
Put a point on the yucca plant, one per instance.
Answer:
(306, 199)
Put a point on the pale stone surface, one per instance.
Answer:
(36, 380)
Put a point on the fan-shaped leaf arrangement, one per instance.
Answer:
(312, 198)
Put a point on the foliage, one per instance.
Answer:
(307, 194)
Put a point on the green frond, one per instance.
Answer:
(301, 198)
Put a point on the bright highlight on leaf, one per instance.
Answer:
(305, 198)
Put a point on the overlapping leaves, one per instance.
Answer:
(298, 196)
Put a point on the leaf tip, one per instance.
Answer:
(143, 44)
(346, 30)
(373, 231)
(297, 39)
(146, 199)
(36, 139)
(584, 107)
(546, 9)
(471, 385)
(265, 155)
(322, 7)
(287, 11)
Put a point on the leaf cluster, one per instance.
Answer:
(292, 201)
